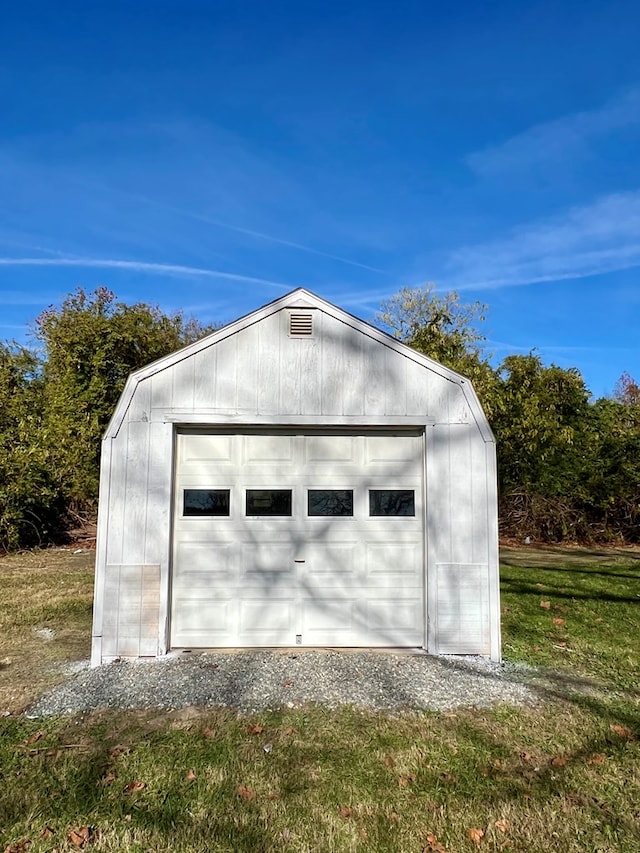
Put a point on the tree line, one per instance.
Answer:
(568, 465)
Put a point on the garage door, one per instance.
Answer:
(298, 538)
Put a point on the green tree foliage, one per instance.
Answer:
(29, 503)
(55, 404)
(568, 468)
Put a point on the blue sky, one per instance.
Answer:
(210, 156)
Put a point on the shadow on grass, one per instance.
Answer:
(583, 570)
(519, 587)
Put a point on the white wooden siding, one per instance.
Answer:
(253, 373)
(263, 371)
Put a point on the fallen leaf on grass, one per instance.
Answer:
(191, 775)
(546, 605)
(502, 825)
(208, 732)
(622, 731)
(18, 846)
(558, 761)
(34, 738)
(558, 621)
(47, 832)
(255, 730)
(363, 833)
(109, 778)
(83, 835)
(447, 778)
(119, 749)
(345, 811)
(475, 834)
(246, 793)
(597, 758)
(433, 845)
(394, 817)
(403, 781)
(389, 761)
(287, 683)
(134, 787)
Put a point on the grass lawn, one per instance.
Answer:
(564, 775)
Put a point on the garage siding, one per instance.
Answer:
(259, 375)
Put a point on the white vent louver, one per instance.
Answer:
(300, 325)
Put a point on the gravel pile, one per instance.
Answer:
(250, 681)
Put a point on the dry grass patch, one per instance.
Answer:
(45, 621)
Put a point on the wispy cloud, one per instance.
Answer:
(590, 240)
(559, 139)
(228, 226)
(143, 267)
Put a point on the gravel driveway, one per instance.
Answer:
(250, 681)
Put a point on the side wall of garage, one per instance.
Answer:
(254, 373)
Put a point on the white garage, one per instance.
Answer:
(298, 478)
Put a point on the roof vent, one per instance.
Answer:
(300, 325)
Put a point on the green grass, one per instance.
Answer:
(563, 775)
(589, 620)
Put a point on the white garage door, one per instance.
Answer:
(307, 538)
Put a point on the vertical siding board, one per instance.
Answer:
(204, 378)
(460, 500)
(431, 536)
(418, 381)
(374, 371)
(247, 371)
(268, 357)
(479, 509)
(395, 382)
(112, 603)
(164, 450)
(491, 486)
(116, 509)
(136, 490)
(457, 409)
(182, 375)
(438, 521)
(439, 391)
(439, 495)
(290, 359)
(158, 504)
(140, 407)
(161, 392)
(310, 374)
(101, 553)
(226, 397)
(354, 379)
(332, 367)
